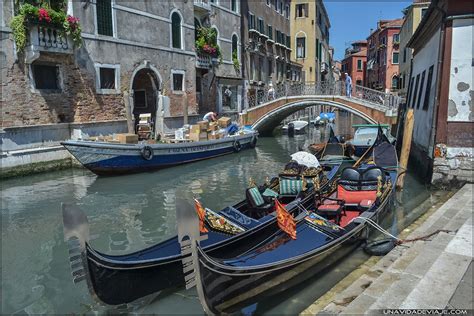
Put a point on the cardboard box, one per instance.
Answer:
(224, 122)
(194, 129)
(213, 126)
(197, 137)
(127, 138)
(204, 125)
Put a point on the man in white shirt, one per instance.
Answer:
(210, 117)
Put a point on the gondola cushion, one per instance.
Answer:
(329, 207)
(366, 204)
(290, 187)
(256, 197)
(355, 197)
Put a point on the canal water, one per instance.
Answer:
(128, 213)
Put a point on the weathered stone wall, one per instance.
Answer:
(454, 170)
(76, 102)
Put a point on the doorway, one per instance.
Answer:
(145, 92)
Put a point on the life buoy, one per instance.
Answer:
(147, 153)
(253, 142)
(237, 146)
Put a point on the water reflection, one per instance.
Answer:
(128, 213)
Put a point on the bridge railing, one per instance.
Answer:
(325, 88)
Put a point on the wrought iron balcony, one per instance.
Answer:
(47, 39)
(202, 6)
(203, 61)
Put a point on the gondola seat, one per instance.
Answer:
(258, 205)
(291, 187)
(355, 191)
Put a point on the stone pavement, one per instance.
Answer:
(435, 273)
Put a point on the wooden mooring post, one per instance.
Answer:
(406, 146)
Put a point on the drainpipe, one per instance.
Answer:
(442, 36)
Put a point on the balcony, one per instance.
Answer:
(49, 40)
(203, 61)
(202, 6)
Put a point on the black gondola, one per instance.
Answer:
(121, 279)
(259, 269)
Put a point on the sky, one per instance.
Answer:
(352, 20)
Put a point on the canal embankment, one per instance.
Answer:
(434, 272)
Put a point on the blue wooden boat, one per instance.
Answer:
(122, 279)
(104, 158)
(365, 136)
(260, 264)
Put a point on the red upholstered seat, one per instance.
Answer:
(355, 197)
(329, 202)
(329, 207)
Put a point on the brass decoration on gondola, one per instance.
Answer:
(219, 223)
(252, 183)
(379, 186)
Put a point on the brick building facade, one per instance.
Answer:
(383, 56)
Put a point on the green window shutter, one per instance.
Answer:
(104, 17)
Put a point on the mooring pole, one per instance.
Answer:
(406, 146)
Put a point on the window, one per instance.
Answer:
(383, 41)
(268, 3)
(423, 12)
(176, 30)
(277, 5)
(395, 82)
(300, 47)
(428, 88)
(104, 17)
(235, 49)
(421, 89)
(178, 80)
(261, 26)
(410, 89)
(395, 58)
(270, 67)
(301, 10)
(108, 77)
(261, 65)
(359, 64)
(281, 8)
(405, 55)
(46, 77)
(270, 32)
(288, 41)
(251, 21)
(287, 11)
(233, 5)
(415, 93)
(396, 38)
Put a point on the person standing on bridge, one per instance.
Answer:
(348, 85)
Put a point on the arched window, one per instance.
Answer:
(395, 82)
(197, 26)
(235, 49)
(176, 30)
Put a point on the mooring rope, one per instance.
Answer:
(399, 241)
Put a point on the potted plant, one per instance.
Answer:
(206, 43)
(45, 16)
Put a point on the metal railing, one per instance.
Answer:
(324, 88)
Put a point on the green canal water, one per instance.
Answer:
(131, 212)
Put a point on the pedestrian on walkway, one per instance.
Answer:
(271, 92)
(348, 85)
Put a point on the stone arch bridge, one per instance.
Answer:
(268, 111)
